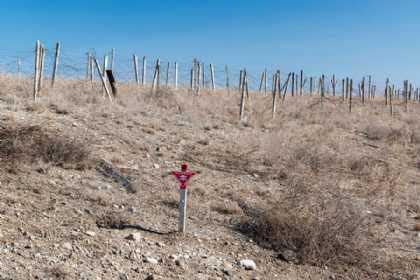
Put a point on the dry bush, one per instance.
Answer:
(378, 132)
(226, 208)
(23, 142)
(112, 220)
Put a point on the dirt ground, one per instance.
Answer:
(63, 220)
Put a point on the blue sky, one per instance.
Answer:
(353, 38)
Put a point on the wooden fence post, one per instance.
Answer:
(242, 87)
(261, 83)
(176, 75)
(285, 86)
(144, 72)
(293, 84)
(36, 75)
(227, 78)
(342, 88)
(370, 87)
(406, 95)
(386, 91)
(301, 83)
(362, 90)
(275, 91)
(350, 94)
(56, 61)
(333, 83)
(322, 88)
(100, 73)
(136, 69)
(167, 74)
(311, 86)
(241, 73)
(213, 83)
(112, 58)
(390, 100)
(156, 76)
(198, 80)
(41, 67)
(19, 68)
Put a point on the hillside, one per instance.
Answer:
(315, 193)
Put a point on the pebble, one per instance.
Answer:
(135, 236)
(417, 227)
(67, 245)
(90, 233)
(248, 264)
(132, 210)
(150, 277)
(124, 276)
(179, 263)
(151, 260)
(156, 166)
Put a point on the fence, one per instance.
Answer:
(57, 63)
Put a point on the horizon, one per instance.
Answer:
(373, 38)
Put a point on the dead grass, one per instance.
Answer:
(21, 142)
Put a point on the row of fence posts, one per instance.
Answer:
(297, 81)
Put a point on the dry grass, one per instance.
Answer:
(21, 142)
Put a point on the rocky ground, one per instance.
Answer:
(114, 213)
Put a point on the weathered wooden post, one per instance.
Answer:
(213, 82)
(370, 87)
(342, 88)
(406, 95)
(41, 67)
(390, 100)
(362, 90)
(98, 67)
(156, 76)
(322, 81)
(242, 88)
(311, 86)
(197, 82)
(386, 91)
(293, 84)
(19, 68)
(227, 78)
(136, 69)
(350, 94)
(285, 86)
(176, 75)
(88, 65)
(56, 61)
(36, 75)
(333, 83)
(112, 58)
(168, 65)
(275, 91)
(144, 72)
(112, 82)
(261, 83)
(301, 83)
(241, 73)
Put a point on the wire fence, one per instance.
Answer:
(74, 66)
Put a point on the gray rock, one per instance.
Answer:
(67, 246)
(288, 256)
(248, 264)
(150, 277)
(124, 276)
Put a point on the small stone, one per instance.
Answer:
(151, 260)
(159, 244)
(418, 235)
(67, 245)
(288, 256)
(179, 263)
(135, 236)
(124, 276)
(90, 233)
(156, 166)
(132, 210)
(248, 264)
(173, 257)
(417, 227)
(150, 277)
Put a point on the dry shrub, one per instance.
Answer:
(22, 142)
(226, 208)
(112, 220)
(58, 273)
(377, 131)
(328, 232)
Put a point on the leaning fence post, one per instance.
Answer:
(333, 83)
(350, 94)
(386, 92)
(112, 58)
(242, 104)
(98, 67)
(276, 88)
(36, 75)
(293, 84)
(56, 61)
(301, 83)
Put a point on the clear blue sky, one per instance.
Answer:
(354, 37)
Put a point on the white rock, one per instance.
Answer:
(90, 233)
(151, 260)
(156, 166)
(67, 245)
(248, 264)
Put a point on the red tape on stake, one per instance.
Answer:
(184, 176)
